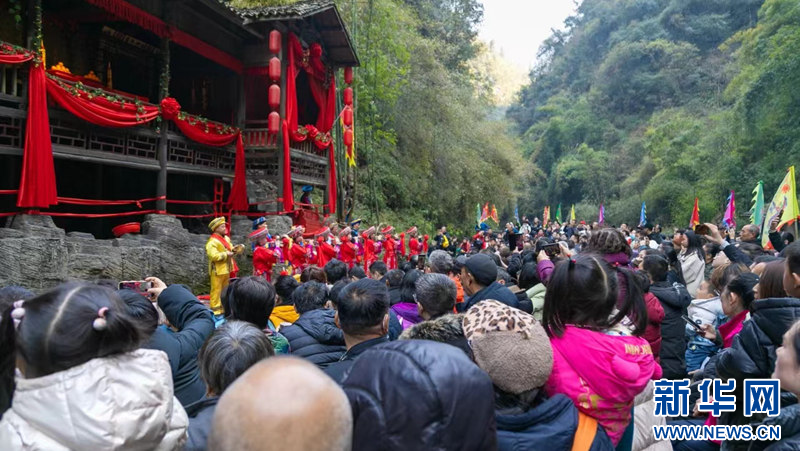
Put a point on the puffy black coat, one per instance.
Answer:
(419, 394)
(315, 337)
(752, 353)
(550, 425)
(789, 421)
(674, 299)
(194, 323)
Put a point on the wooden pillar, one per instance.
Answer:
(163, 140)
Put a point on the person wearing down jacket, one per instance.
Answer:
(81, 381)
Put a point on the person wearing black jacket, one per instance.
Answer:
(478, 277)
(674, 299)
(226, 355)
(419, 394)
(314, 336)
(363, 315)
(193, 323)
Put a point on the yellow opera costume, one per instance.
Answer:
(221, 266)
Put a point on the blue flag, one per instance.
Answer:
(643, 215)
(516, 214)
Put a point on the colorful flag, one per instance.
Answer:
(494, 216)
(730, 211)
(350, 151)
(643, 215)
(601, 217)
(572, 213)
(695, 215)
(558, 213)
(757, 212)
(485, 213)
(785, 200)
(516, 214)
(478, 216)
(546, 215)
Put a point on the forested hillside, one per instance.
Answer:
(662, 101)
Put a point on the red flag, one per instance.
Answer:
(485, 212)
(494, 214)
(695, 215)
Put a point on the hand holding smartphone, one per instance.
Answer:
(691, 322)
(139, 286)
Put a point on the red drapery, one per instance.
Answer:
(37, 186)
(98, 109)
(217, 135)
(311, 62)
(11, 54)
(134, 15)
(288, 195)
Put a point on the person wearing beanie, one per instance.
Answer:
(513, 348)
(479, 279)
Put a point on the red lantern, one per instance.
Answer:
(275, 41)
(348, 137)
(348, 75)
(348, 96)
(273, 122)
(347, 116)
(274, 68)
(274, 96)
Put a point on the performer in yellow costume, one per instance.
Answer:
(221, 265)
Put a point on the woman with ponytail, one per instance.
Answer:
(81, 381)
(597, 361)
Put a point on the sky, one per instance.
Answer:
(518, 27)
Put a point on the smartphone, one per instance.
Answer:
(552, 250)
(140, 286)
(421, 262)
(702, 229)
(692, 323)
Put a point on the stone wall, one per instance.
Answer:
(38, 255)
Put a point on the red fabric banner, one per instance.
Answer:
(217, 135)
(311, 62)
(12, 54)
(288, 195)
(37, 186)
(97, 109)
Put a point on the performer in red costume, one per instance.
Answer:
(414, 246)
(389, 248)
(264, 258)
(369, 248)
(425, 244)
(325, 250)
(298, 254)
(347, 250)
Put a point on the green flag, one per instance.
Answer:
(757, 212)
(558, 213)
(478, 217)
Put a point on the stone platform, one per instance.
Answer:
(36, 254)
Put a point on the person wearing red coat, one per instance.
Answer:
(414, 245)
(389, 248)
(369, 248)
(325, 251)
(298, 254)
(264, 258)
(347, 250)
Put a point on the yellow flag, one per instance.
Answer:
(784, 200)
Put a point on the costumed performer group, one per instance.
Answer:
(299, 249)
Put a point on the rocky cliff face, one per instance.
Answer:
(38, 255)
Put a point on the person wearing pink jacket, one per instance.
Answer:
(600, 361)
